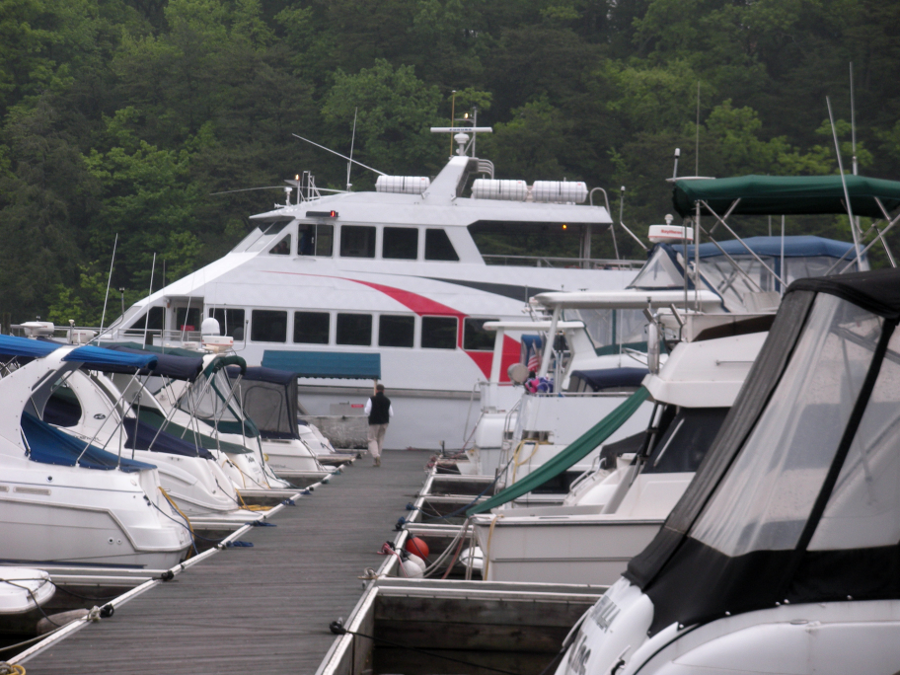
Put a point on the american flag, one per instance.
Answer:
(534, 356)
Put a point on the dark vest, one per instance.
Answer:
(381, 409)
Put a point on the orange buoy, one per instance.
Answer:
(417, 547)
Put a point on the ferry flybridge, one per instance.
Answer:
(391, 285)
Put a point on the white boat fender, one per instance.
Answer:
(412, 570)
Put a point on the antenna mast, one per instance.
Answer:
(697, 126)
(352, 142)
(853, 123)
(112, 262)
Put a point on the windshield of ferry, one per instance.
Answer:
(261, 237)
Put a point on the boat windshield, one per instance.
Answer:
(211, 400)
(766, 498)
(686, 440)
(733, 284)
(611, 327)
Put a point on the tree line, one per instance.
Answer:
(130, 122)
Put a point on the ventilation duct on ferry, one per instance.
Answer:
(407, 185)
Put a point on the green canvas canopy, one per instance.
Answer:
(575, 451)
(787, 195)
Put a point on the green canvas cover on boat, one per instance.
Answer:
(787, 195)
(576, 450)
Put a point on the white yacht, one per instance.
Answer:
(612, 513)
(65, 500)
(781, 556)
(89, 406)
(394, 285)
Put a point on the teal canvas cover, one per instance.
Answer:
(787, 195)
(345, 365)
(576, 450)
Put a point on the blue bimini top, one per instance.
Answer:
(49, 445)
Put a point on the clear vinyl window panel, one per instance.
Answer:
(611, 326)
(863, 510)
(212, 399)
(764, 501)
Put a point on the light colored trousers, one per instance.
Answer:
(376, 439)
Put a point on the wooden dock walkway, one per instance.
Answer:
(257, 610)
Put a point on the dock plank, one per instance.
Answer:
(264, 609)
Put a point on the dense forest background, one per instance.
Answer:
(124, 117)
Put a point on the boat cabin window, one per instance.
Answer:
(476, 338)
(438, 246)
(765, 500)
(267, 325)
(686, 440)
(357, 241)
(315, 239)
(439, 332)
(152, 320)
(354, 329)
(187, 319)
(283, 247)
(396, 331)
(231, 321)
(400, 243)
(312, 327)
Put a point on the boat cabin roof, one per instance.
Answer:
(787, 195)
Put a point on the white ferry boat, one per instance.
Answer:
(389, 285)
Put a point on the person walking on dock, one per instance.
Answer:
(380, 412)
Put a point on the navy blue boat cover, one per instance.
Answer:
(10, 345)
(174, 366)
(141, 435)
(260, 374)
(52, 446)
(794, 247)
(608, 378)
(99, 358)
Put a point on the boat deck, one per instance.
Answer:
(257, 610)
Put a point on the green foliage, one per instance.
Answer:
(129, 117)
(394, 112)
